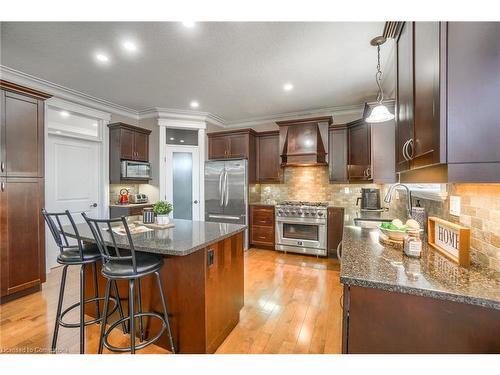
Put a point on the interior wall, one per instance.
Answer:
(127, 120)
(152, 190)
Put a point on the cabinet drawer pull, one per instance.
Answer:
(3, 166)
(405, 155)
(410, 143)
(3, 186)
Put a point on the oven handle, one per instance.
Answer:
(299, 221)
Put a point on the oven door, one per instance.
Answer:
(301, 232)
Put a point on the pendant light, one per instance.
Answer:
(379, 113)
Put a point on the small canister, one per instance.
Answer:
(148, 216)
(412, 246)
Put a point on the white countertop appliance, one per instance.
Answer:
(301, 227)
(138, 198)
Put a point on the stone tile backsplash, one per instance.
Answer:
(480, 205)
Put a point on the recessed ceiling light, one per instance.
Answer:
(194, 104)
(172, 138)
(102, 58)
(189, 24)
(182, 141)
(64, 114)
(129, 46)
(58, 132)
(288, 87)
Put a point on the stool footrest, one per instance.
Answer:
(87, 322)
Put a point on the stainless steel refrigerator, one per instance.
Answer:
(226, 192)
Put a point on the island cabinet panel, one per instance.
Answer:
(382, 322)
(204, 291)
(262, 226)
(268, 158)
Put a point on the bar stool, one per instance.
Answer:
(124, 263)
(81, 254)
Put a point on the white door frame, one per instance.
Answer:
(103, 119)
(174, 123)
(197, 213)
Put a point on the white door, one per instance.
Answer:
(72, 181)
(183, 181)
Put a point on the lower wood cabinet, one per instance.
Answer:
(22, 239)
(377, 321)
(262, 226)
(335, 229)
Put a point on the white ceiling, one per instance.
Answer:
(236, 70)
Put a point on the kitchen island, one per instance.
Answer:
(202, 279)
(396, 304)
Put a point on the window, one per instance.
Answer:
(435, 192)
(62, 122)
(182, 137)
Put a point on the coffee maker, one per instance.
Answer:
(370, 200)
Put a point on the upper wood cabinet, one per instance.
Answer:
(359, 151)
(21, 133)
(268, 158)
(131, 142)
(235, 144)
(231, 144)
(126, 142)
(337, 154)
(453, 122)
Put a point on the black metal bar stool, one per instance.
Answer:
(124, 263)
(81, 254)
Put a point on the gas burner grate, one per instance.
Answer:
(304, 203)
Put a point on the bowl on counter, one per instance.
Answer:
(394, 234)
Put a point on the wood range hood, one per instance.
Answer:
(304, 142)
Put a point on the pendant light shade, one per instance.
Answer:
(380, 113)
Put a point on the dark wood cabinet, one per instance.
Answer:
(423, 149)
(129, 142)
(231, 144)
(22, 257)
(126, 142)
(268, 158)
(337, 154)
(386, 322)
(335, 229)
(359, 166)
(234, 144)
(262, 226)
(404, 95)
(453, 134)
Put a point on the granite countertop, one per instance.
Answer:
(262, 204)
(185, 238)
(367, 263)
(130, 204)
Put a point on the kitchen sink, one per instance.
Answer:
(370, 222)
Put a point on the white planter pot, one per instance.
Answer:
(162, 219)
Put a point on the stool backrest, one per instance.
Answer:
(117, 254)
(53, 220)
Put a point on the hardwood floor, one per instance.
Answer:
(292, 305)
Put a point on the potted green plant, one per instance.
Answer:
(162, 209)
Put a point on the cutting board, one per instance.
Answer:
(155, 226)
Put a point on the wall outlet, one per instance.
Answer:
(454, 205)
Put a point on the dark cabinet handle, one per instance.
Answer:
(3, 186)
(210, 257)
(3, 166)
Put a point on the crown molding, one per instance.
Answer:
(327, 111)
(65, 93)
(181, 115)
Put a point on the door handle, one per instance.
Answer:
(93, 205)
(221, 190)
(226, 180)
(195, 201)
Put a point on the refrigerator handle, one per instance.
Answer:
(226, 182)
(221, 189)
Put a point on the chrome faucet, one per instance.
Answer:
(388, 197)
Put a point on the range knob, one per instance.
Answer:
(280, 212)
(293, 212)
(299, 212)
(306, 213)
(313, 213)
(320, 213)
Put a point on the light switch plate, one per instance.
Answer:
(454, 205)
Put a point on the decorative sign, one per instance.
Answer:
(450, 239)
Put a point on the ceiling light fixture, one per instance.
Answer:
(189, 24)
(194, 104)
(102, 58)
(64, 114)
(172, 138)
(288, 87)
(181, 141)
(129, 46)
(379, 113)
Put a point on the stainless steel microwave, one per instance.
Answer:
(135, 170)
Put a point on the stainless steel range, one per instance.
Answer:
(301, 227)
